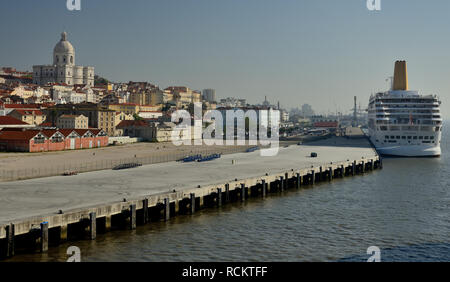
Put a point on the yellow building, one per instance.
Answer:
(128, 108)
(72, 121)
(150, 97)
(35, 117)
(107, 121)
(123, 116)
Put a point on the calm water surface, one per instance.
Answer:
(403, 209)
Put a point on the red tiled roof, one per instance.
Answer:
(18, 135)
(66, 132)
(29, 112)
(49, 132)
(95, 131)
(7, 120)
(81, 132)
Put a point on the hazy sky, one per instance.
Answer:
(321, 52)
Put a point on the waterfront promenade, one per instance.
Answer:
(63, 200)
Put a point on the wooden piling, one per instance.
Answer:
(299, 181)
(145, 211)
(281, 183)
(227, 193)
(132, 216)
(263, 189)
(92, 225)
(108, 223)
(242, 192)
(43, 246)
(166, 209)
(192, 203)
(63, 233)
(219, 197)
(9, 240)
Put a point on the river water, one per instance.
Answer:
(402, 209)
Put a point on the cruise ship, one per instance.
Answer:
(404, 123)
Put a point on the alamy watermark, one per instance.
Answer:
(375, 254)
(74, 254)
(373, 5)
(228, 127)
(73, 5)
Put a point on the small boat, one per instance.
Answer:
(209, 158)
(70, 172)
(191, 158)
(127, 165)
(252, 149)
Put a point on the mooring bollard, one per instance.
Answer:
(92, 225)
(44, 237)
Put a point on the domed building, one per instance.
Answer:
(63, 69)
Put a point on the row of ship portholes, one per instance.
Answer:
(423, 139)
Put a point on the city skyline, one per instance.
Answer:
(291, 52)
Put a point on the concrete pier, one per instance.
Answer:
(98, 197)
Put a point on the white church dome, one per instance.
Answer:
(64, 46)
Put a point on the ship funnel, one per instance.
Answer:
(400, 76)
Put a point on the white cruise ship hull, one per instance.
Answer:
(404, 123)
(410, 151)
